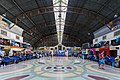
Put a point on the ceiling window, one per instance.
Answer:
(60, 9)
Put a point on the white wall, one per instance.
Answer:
(110, 36)
(11, 35)
(102, 31)
(16, 29)
(3, 36)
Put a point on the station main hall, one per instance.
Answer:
(59, 39)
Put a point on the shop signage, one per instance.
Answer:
(112, 48)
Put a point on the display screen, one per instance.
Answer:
(4, 41)
(5, 23)
(86, 46)
(115, 24)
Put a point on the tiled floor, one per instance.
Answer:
(58, 68)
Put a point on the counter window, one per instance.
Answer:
(104, 37)
(17, 37)
(117, 33)
(3, 32)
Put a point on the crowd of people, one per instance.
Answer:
(101, 57)
(107, 59)
(17, 57)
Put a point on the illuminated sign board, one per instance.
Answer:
(115, 24)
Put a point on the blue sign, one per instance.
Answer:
(7, 21)
(61, 53)
(117, 39)
(69, 51)
(13, 42)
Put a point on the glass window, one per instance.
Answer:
(104, 37)
(96, 40)
(60, 10)
(117, 33)
(113, 43)
(17, 37)
(3, 32)
(51, 48)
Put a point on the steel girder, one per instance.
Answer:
(18, 19)
(68, 23)
(44, 10)
(83, 11)
(28, 17)
(48, 40)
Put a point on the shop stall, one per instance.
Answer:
(14, 49)
(115, 52)
(106, 50)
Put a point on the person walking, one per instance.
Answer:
(101, 60)
(83, 56)
(113, 61)
(1, 60)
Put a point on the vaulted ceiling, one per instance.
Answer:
(37, 18)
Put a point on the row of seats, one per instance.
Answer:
(15, 59)
(108, 59)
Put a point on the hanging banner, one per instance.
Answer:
(4, 22)
(115, 24)
(13, 42)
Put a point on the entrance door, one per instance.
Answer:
(59, 47)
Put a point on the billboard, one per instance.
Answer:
(115, 24)
(5, 23)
